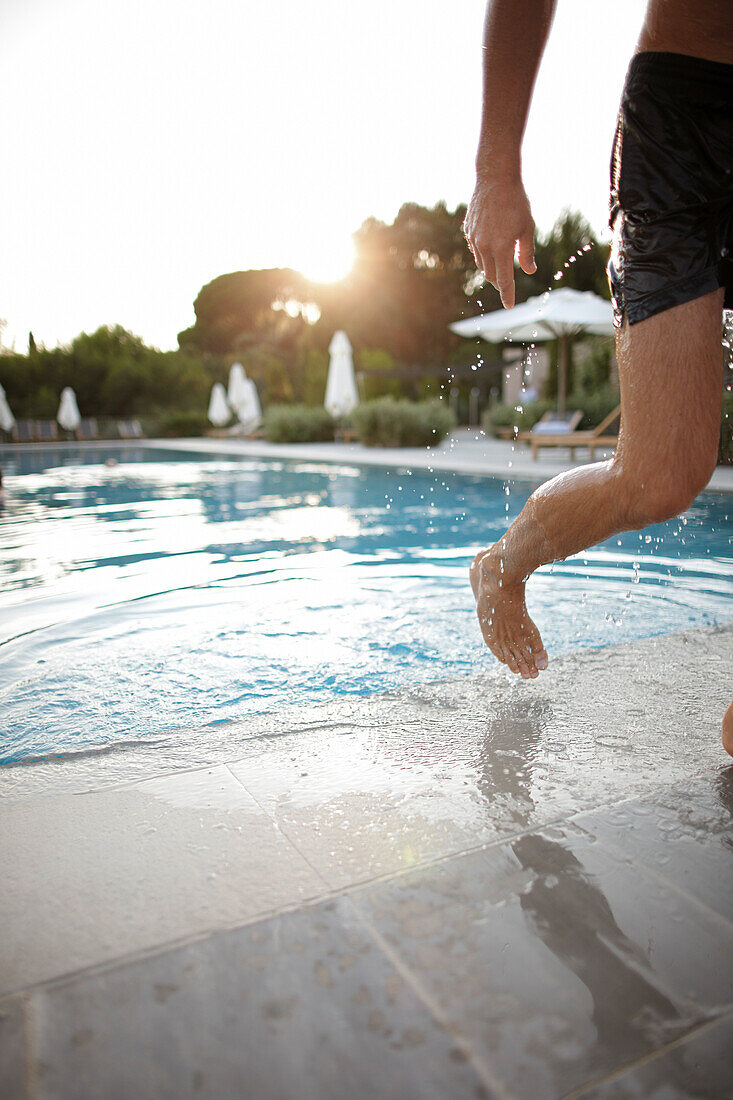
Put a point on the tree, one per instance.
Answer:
(243, 308)
(409, 281)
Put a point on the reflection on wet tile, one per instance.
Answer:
(302, 1005)
(90, 878)
(684, 833)
(12, 1050)
(557, 959)
(355, 815)
(700, 1067)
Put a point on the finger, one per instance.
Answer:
(505, 281)
(525, 253)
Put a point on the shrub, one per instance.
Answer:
(183, 424)
(725, 450)
(507, 416)
(298, 424)
(595, 407)
(387, 422)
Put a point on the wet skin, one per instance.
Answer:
(670, 365)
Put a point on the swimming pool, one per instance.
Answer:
(170, 589)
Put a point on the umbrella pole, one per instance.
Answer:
(562, 373)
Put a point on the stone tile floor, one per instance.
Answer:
(479, 888)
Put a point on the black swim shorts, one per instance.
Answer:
(672, 185)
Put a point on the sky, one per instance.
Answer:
(151, 145)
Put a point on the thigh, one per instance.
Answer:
(670, 374)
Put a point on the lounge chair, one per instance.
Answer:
(551, 423)
(596, 437)
(87, 428)
(130, 429)
(24, 431)
(46, 431)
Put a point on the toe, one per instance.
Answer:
(524, 666)
(511, 661)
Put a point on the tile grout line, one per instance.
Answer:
(284, 835)
(650, 1057)
(330, 893)
(499, 1089)
(30, 1044)
(712, 914)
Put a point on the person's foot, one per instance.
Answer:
(727, 737)
(502, 613)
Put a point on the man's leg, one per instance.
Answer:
(728, 730)
(670, 374)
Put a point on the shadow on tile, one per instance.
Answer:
(302, 1005)
(684, 833)
(557, 959)
(701, 1068)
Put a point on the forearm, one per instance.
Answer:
(515, 32)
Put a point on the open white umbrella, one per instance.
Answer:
(341, 393)
(68, 415)
(555, 315)
(219, 411)
(249, 410)
(236, 387)
(6, 417)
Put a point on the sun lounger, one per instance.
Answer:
(87, 428)
(551, 423)
(24, 431)
(130, 429)
(46, 431)
(592, 439)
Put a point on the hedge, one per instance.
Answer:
(298, 424)
(387, 422)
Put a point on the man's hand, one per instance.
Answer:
(498, 222)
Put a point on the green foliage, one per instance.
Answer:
(298, 424)
(595, 407)
(179, 425)
(595, 371)
(725, 450)
(379, 384)
(272, 373)
(113, 373)
(235, 310)
(312, 387)
(390, 423)
(508, 416)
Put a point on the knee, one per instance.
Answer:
(655, 496)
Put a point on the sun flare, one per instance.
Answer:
(327, 261)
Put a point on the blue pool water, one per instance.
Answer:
(171, 590)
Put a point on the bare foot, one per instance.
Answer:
(502, 613)
(728, 730)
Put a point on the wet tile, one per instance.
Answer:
(701, 1067)
(90, 878)
(355, 813)
(559, 960)
(684, 833)
(301, 1005)
(12, 1049)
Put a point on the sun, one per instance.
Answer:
(327, 261)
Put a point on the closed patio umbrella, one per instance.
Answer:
(555, 315)
(341, 393)
(236, 387)
(68, 415)
(249, 410)
(219, 411)
(7, 420)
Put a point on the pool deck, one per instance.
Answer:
(476, 888)
(466, 451)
